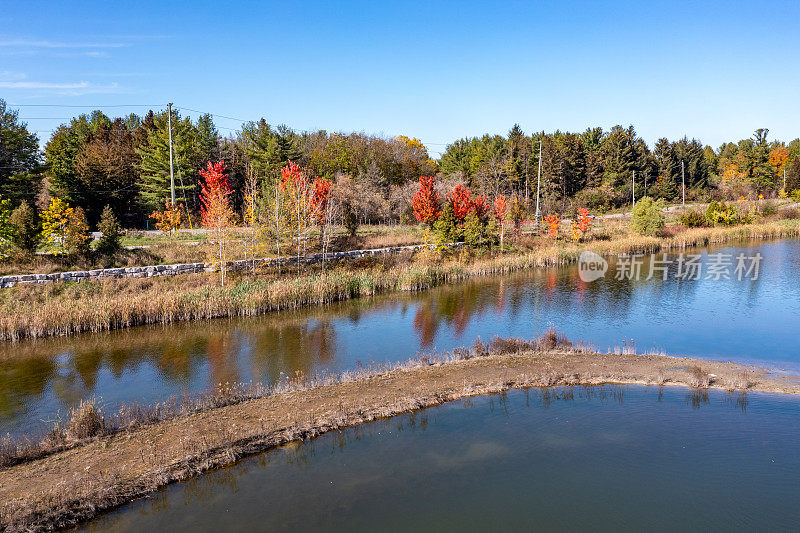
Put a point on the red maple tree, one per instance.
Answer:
(460, 201)
(215, 211)
(500, 212)
(427, 203)
(214, 192)
(480, 206)
(320, 196)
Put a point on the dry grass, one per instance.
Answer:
(698, 377)
(68, 308)
(145, 448)
(87, 420)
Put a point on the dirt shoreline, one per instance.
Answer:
(68, 487)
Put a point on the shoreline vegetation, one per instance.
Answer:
(34, 311)
(103, 462)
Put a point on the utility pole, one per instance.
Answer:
(784, 178)
(171, 174)
(683, 186)
(633, 189)
(538, 182)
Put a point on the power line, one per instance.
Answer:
(212, 114)
(84, 106)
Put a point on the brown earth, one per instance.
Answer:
(74, 485)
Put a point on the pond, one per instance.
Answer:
(594, 458)
(752, 320)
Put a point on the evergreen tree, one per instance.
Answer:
(208, 147)
(109, 242)
(154, 162)
(793, 176)
(19, 157)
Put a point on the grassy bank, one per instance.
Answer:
(63, 309)
(107, 461)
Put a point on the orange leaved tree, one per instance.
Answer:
(584, 220)
(216, 211)
(169, 219)
(500, 213)
(553, 222)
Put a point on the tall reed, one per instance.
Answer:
(63, 309)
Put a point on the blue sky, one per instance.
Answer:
(436, 70)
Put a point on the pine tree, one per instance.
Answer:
(154, 161)
(109, 242)
(19, 156)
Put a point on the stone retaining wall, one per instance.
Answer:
(193, 268)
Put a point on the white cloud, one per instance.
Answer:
(6, 75)
(55, 44)
(68, 89)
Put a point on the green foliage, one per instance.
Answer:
(722, 214)
(109, 242)
(474, 230)
(153, 165)
(6, 228)
(793, 178)
(19, 157)
(25, 229)
(693, 219)
(446, 226)
(350, 219)
(595, 199)
(768, 209)
(648, 217)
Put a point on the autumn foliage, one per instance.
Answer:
(553, 222)
(169, 219)
(427, 203)
(216, 211)
(584, 220)
(214, 191)
(500, 213)
(462, 202)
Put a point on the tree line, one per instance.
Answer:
(94, 161)
(600, 169)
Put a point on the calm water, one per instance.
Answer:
(730, 320)
(621, 458)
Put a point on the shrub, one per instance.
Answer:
(350, 219)
(109, 242)
(768, 209)
(595, 199)
(474, 230)
(790, 213)
(77, 238)
(6, 228)
(648, 217)
(722, 214)
(86, 421)
(25, 235)
(693, 219)
(446, 227)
